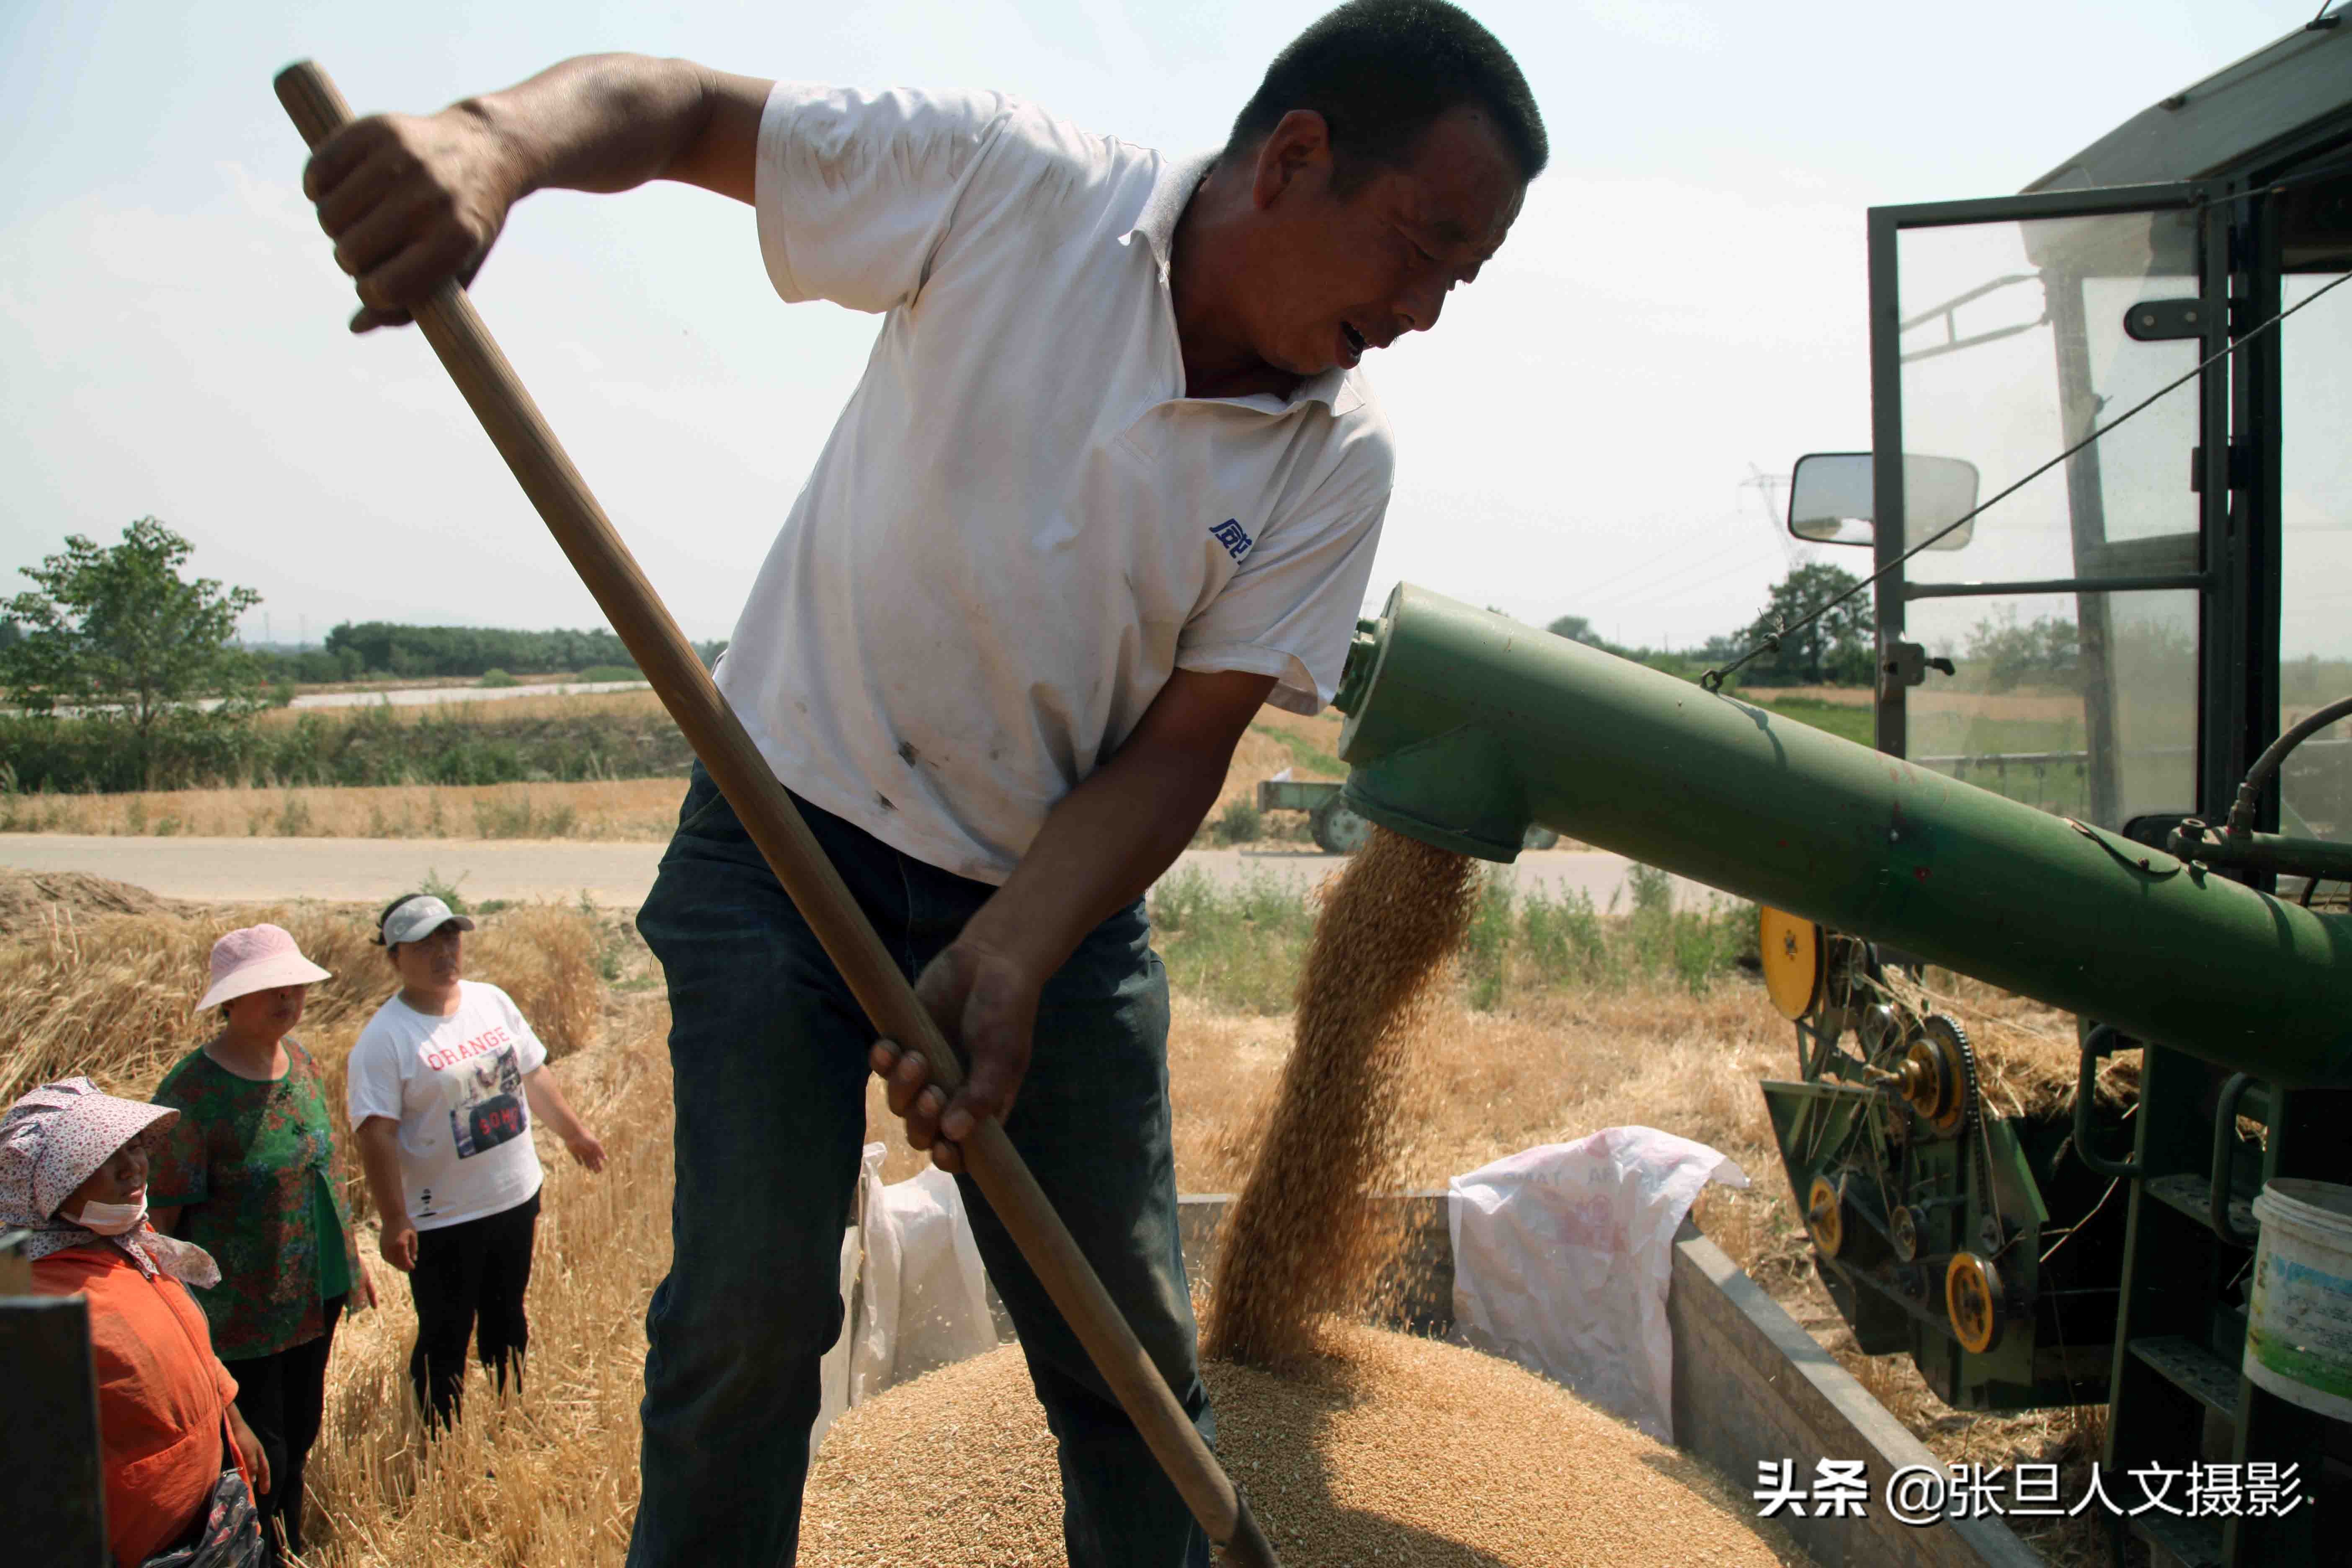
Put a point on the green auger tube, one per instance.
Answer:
(1464, 727)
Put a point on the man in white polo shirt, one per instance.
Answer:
(1111, 481)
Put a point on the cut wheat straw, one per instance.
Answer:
(113, 996)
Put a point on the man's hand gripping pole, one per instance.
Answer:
(523, 438)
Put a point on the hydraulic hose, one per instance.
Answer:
(2250, 793)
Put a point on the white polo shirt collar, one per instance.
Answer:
(1170, 192)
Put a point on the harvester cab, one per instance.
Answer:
(2111, 571)
(2118, 641)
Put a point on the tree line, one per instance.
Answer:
(119, 671)
(357, 649)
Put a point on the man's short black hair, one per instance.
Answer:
(1379, 71)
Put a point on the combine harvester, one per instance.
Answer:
(2135, 875)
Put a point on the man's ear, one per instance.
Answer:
(1298, 146)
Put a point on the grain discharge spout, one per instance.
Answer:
(1464, 727)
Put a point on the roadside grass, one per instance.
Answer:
(638, 810)
(579, 736)
(1239, 946)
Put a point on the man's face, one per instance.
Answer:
(1339, 274)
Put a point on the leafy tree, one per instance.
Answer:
(1833, 650)
(113, 633)
(2043, 651)
(1575, 628)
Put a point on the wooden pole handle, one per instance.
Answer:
(524, 439)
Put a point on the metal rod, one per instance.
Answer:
(525, 440)
(2225, 1146)
(2100, 1042)
(2175, 580)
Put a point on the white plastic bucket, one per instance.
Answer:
(2299, 1315)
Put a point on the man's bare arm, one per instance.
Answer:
(412, 200)
(1099, 849)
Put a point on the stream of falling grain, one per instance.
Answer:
(1308, 1238)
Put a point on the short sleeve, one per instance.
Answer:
(1291, 610)
(178, 1172)
(372, 1086)
(855, 190)
(531, 1054)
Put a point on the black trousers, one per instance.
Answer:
(282, 1397)
(468, 1284)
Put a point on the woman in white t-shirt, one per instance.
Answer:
(444, 1084)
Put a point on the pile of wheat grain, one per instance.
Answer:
(1304, 1240)
(1386, 1450)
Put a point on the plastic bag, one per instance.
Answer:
(1563, 1255)
(922, 1299)
(833, 1372)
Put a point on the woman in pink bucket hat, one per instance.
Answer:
(249, 1173)
(181, 1469)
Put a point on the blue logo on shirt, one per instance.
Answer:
(1229, 534)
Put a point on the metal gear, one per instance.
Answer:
(1939, 1076)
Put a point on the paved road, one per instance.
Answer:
(363, 870)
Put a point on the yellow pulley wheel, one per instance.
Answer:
(1790, 947)
(1825, 1215)
(1972, 1298)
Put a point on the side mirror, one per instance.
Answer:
(1831, 498)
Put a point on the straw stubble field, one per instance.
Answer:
(100, 982)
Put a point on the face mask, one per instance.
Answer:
(112, 1219)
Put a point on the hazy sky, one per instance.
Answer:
(1682, 296)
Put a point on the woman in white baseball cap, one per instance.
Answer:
(249, 1173)
(442, 1091)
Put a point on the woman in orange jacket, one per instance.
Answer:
(181, 1469)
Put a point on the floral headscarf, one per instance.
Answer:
(51, 1140)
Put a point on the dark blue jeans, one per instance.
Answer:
(767, 1051)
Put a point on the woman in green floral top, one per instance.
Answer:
(248, 1174)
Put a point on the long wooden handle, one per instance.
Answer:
(523, 438)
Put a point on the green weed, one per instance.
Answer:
(519, 818)
(1238, 946)
(1487, 949)
(1240, 823)
(434, 887)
